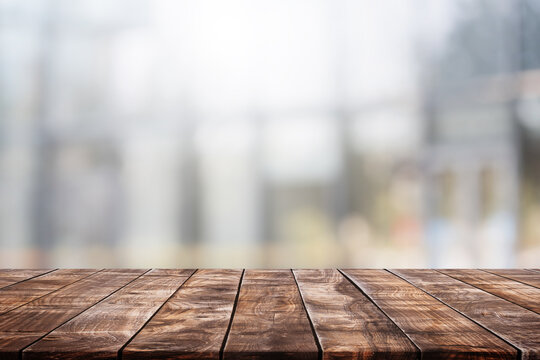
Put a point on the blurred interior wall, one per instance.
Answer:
(269, 133)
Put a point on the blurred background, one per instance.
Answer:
(270, 133)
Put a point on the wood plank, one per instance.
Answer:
(193, 323)
(513, 291)
(528, 277)
(102, 330)
(348, 325)
(12, 276)
(21, 293)
(437, 330)
(270, 321)
(517, 325)
(21, 327)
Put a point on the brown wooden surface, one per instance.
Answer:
(511, 290)
(437, 330)
(495, 314)
(529, 277)
(21, 327)
(269, 314)
(347, 324)
(102, 330)
(13, 276)
(270, 321)
(21, 293)
(193, 323)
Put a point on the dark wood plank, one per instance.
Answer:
(193, 323)
(102, 330)
(12, 276)
(270, 321)
(437, 330)
(514, 291)
(21, 327)
(21, 293)
(528, 277)
(518, 326)
(347, 323)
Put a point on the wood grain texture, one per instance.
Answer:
(497, 315)
(102, 330)
(528, 277)
(514, 291)
(437, 330)
(193, 323)
(166, 314)
(270, 321)
(13, 276)
(348, 325)
(21, 293)
(21, 327)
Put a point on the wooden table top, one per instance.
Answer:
(269, 314)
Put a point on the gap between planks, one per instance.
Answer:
(504, 296)
(459, 312)
(154, 314)
(381, 310)
(85, 309)
(315, 336)
(235, 304)
(28, 278)
(52, 273)
(516, 277)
